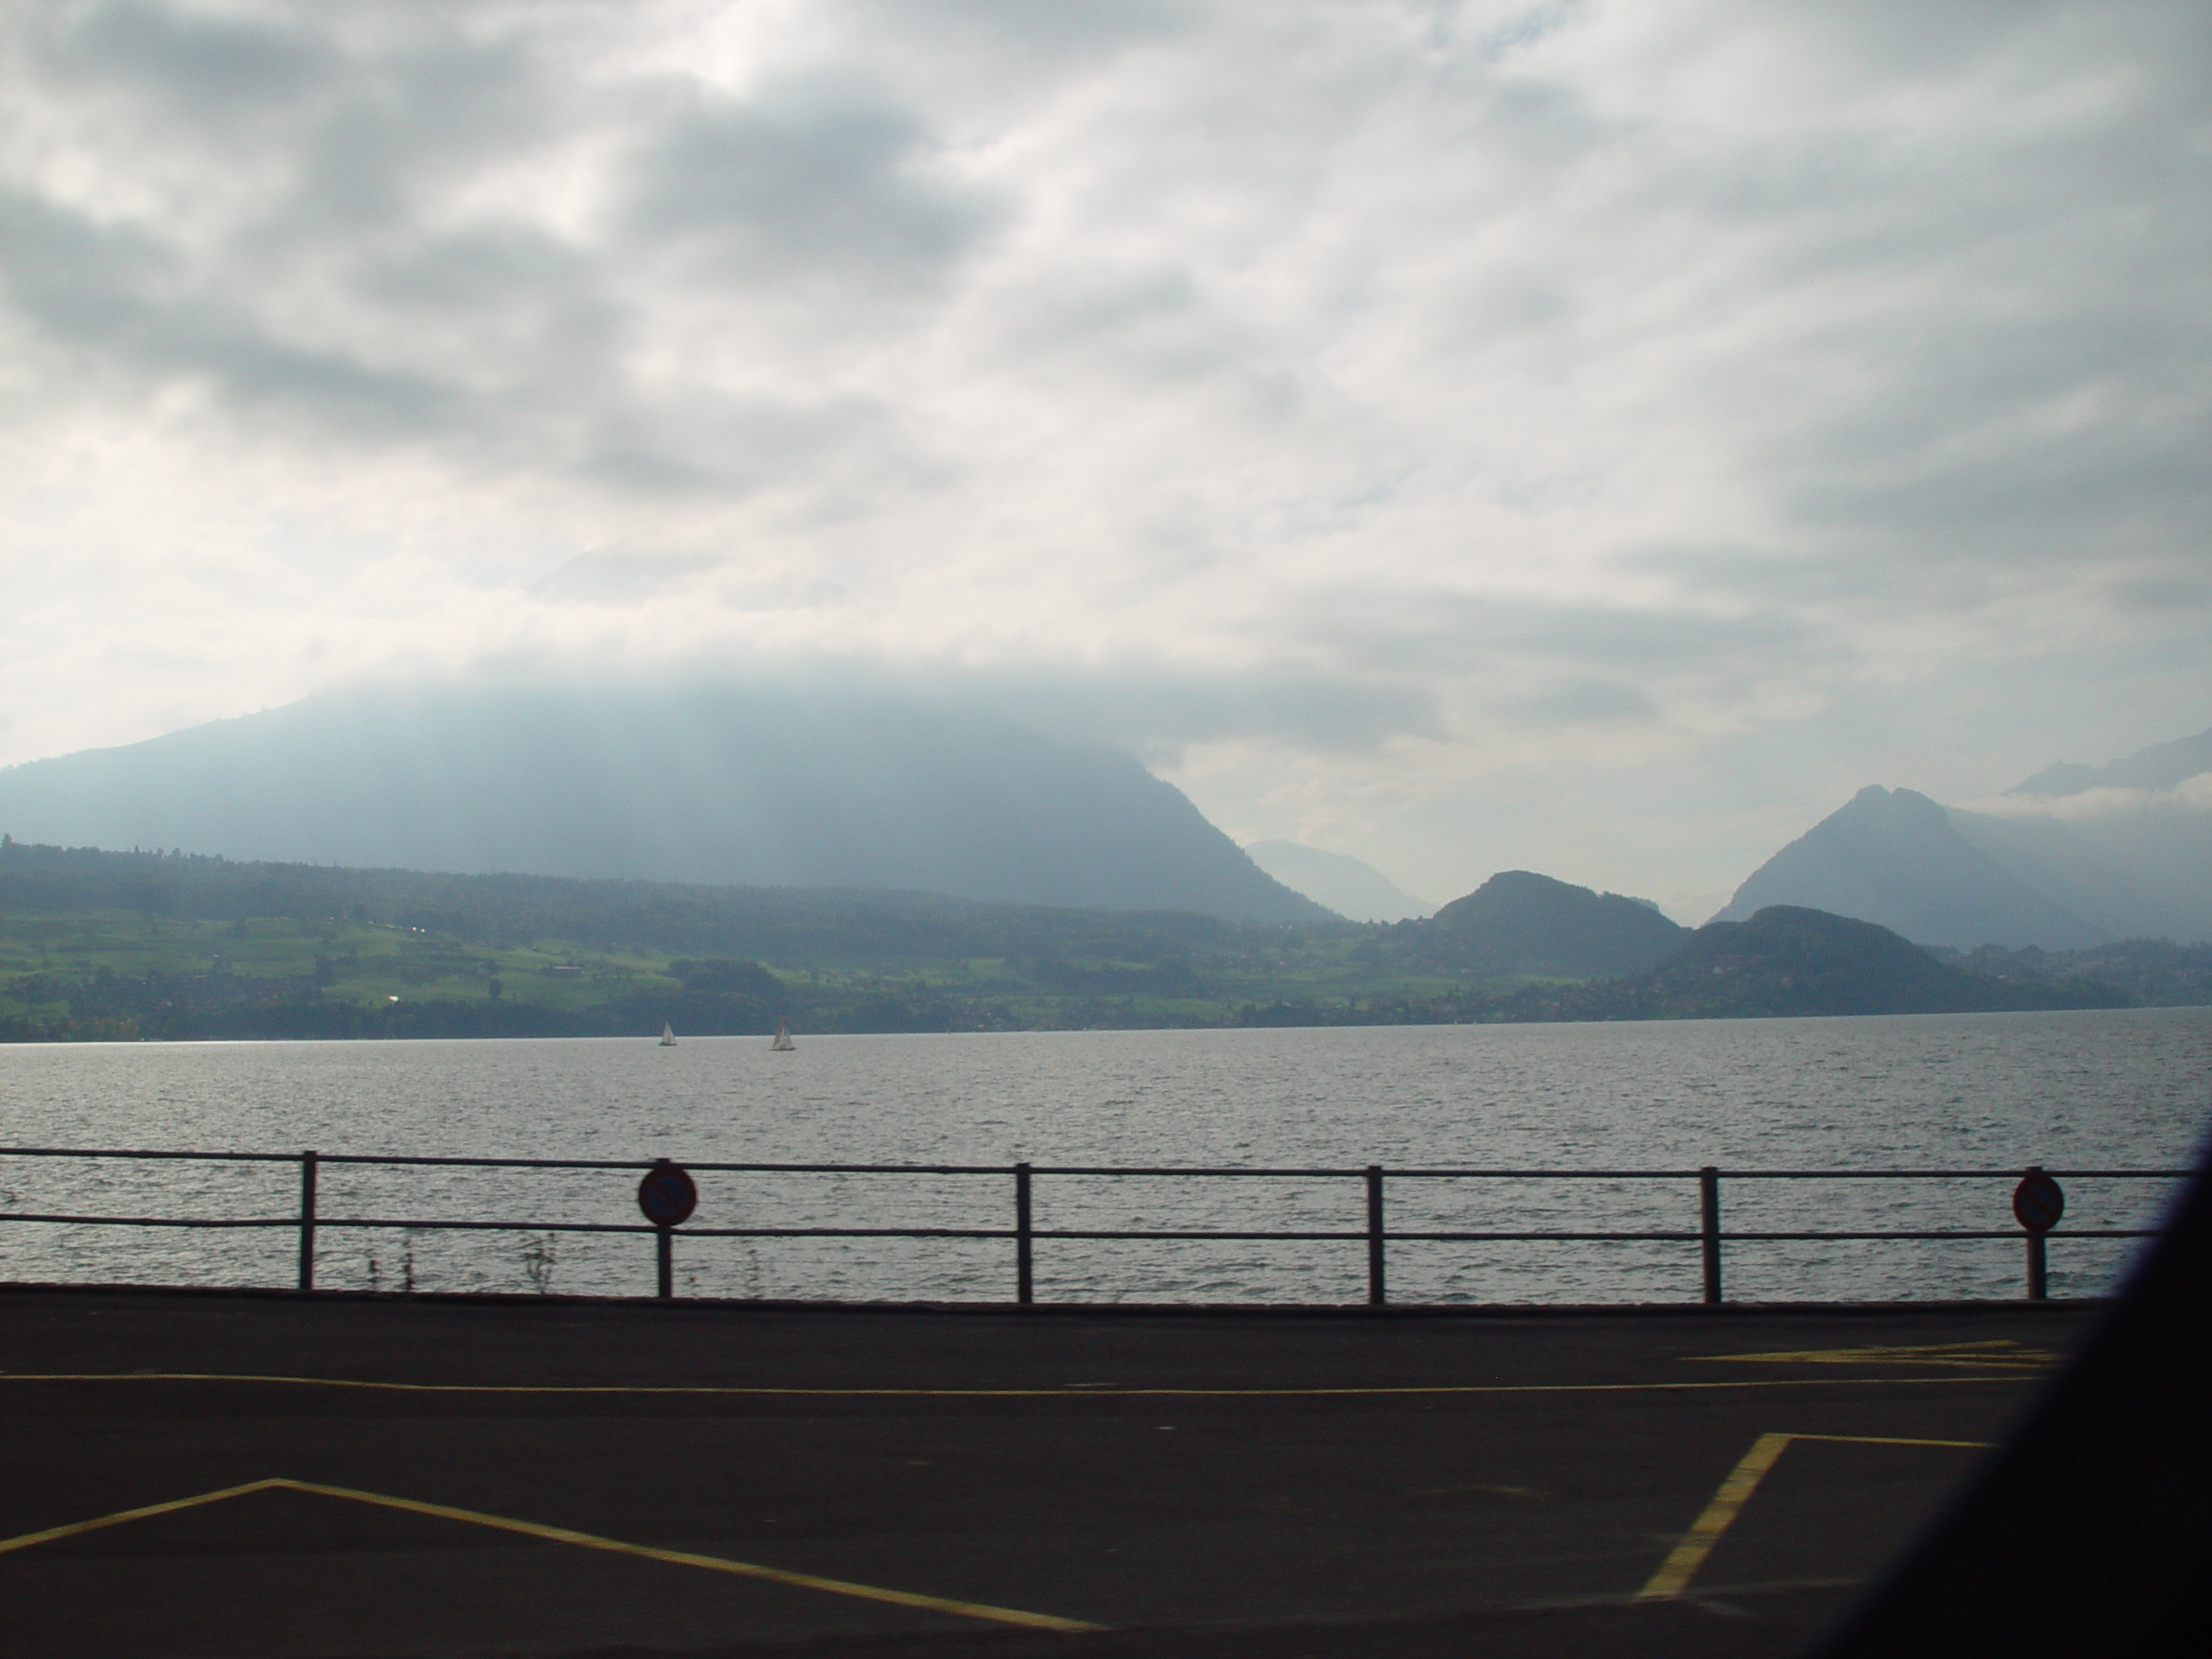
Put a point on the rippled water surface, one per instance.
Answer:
(2076, 1092)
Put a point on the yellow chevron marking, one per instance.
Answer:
(564, 1536)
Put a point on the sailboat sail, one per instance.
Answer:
(667, 1036)
(783, 1044)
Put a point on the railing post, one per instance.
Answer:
(1378, 1291)
(664, 1238)
(1025, 1287)
(1708, 1228)
(2038, 1204)
(2038, 1264)
(307, 1220)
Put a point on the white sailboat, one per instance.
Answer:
(667, 1036)
(783, 1044)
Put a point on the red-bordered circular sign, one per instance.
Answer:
(667, 1194)
(2038, 1202)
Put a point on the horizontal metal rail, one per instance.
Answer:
(1710, 1236)
(1200, 1172)
(1396, 1234)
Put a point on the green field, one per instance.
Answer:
(60, 969)
(366, 963)
(131, 946)
(116, 946)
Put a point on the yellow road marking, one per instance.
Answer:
(1083, 1393)
(2002, 1352)
(1684, 1560)
(24, 1540)
(565, 1535)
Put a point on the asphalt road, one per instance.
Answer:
(556, 1478)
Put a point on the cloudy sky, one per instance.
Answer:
(1596, 437)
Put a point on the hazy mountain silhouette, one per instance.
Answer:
(2140, 874)
(2134, 858)
(721, 786)
(2146, 876)
(2163, 765)
(1896, 858)
(1519, 922)
(1351, 887)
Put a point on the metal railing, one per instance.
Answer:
(1709, 1235)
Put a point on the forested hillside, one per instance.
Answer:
(129, 945)
(722, 784)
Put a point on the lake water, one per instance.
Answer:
(2082, 1090)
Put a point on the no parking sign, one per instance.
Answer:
(667, 1195)
(2038, 1202)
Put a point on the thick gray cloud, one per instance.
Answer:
(1426, 429)
(814, 185)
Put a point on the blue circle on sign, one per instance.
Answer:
(667, 1194)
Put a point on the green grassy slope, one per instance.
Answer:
(118, 946)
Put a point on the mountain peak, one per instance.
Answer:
(1894, 857)
(1891, 805)
(1521, 922)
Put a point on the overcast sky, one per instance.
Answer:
(1595, 438)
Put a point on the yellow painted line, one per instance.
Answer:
(581, 1540)
(24, 1540)
(1684, 1560)
(2002, 1352)
(749, 1392)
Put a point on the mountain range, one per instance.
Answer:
(732, 786)
(725, 787)
(2076, 855)
(2163, 765)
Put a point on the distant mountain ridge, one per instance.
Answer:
(2163, 765)
(2049, 863)
(1519, 922)
(2128, 846)
(1351, 887)
(1894, 858)
(714, 785)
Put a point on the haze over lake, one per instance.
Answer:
(2077, 1091)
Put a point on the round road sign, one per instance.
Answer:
(2038, 1202)
(667, 1195)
